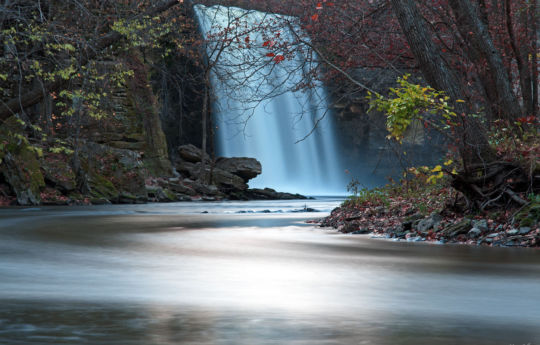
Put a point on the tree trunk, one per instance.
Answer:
(521, 54)
(473, 146)
(475, 32)
(533, 12)
(204, 121)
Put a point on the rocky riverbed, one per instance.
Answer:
(405, 223)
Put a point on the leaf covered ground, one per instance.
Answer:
(419, 211)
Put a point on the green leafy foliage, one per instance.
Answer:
(410, 102)
(146, 31)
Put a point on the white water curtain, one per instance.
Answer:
(256, 110)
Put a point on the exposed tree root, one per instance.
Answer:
(495, 185)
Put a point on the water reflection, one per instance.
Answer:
(220, 278)
(161, 324)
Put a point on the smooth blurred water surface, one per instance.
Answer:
(168, 274)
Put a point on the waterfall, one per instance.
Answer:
(258, 113)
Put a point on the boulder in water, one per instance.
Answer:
(271, 194)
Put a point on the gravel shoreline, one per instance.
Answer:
(409, 225)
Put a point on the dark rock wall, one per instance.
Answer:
(366, 152)
(178, 89)
(177, 81)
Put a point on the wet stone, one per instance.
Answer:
(481, 224)
(524, 230)
(512, 232)
(360, 232)
(474, 232)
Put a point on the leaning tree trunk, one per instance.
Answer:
(484, 181)
(476, 33)
(533, 12)
(473, 143)
(521, 54)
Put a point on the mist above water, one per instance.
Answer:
(256, 113)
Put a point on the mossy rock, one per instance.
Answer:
(459, 228)
(170, 195)
(134, 137)
(115, 171)
(128, 198)
(160, 194)
(19, 163)
(9, 130)
(22, 172)
(51, 196)
(100, 201)
(101, 188)
(127, 145)
(529, 216)
(58, 172)
(76, 196)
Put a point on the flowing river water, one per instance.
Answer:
(170, 274)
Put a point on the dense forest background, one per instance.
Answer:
(98, 95)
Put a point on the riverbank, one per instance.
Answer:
(37, 175)
(410, 219)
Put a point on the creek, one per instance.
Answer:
(170, 274)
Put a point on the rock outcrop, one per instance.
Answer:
(20, 167)
(191, 153)
(226, 178)
(246, 168)
(212, 179)
(22, 173)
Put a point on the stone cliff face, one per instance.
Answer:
(116, 153)
(178, 82)
(144, 105)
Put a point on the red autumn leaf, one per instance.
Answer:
(266, 43)
(247, 39)
(319, 6)
(315, 17)
(279, 58)
(270, 54)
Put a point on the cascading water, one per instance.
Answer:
(257, 111)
